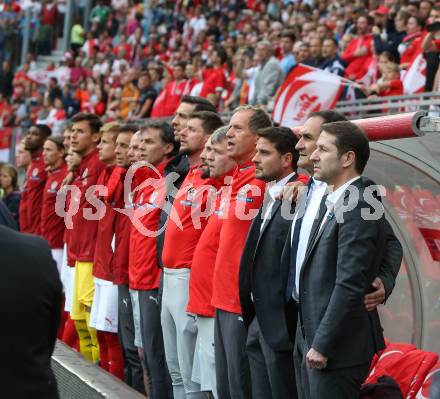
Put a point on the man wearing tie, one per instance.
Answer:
(299, 234)
(270, 323)
(338, 337)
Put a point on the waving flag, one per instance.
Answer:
(415, 77)
(306, 89)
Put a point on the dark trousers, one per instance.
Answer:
(133, 373)
(231, 363)
(152, 342)
(272, 372)
(342, 383)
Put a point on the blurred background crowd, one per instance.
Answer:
(133, 59)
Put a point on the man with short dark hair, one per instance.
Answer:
(85, 137)
(157, 147)
(298, 237)
(269, 319)
(214, 78)
(185, 225)
(133, 372)
(339, 336)
(331, 61)
(247, 192)
(36, 175)
(220, 167)
(288, 61)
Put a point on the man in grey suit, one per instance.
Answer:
(269, 75)
(338, 337)
(293, 253)
(269, 320)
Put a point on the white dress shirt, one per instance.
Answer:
(273, 193)
(314, 199)
(317, 191)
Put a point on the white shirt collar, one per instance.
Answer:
(333, 197)
(278, 186)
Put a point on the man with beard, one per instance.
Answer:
(36, 175)
(220, 168)
(187, 220)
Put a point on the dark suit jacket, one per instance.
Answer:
(261, 274)
(30, 305)
(341, 262)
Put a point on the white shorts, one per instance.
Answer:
(136, 318)
(57, 255)
(204, 358)
(104, 313)
(67, 276)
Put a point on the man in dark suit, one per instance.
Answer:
(30, 304)
(262, 283)
(336, 334)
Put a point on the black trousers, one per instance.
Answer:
(272, 372)
(231, 362)
(342, 383)
(152, 342)
(133, 373)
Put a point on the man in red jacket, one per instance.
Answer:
(220, 169)
(85, 137)
(33, 188)
(232, 366)
(185, 225)
(358, 52)
(133, 372)
(158, 146)
(104, 312)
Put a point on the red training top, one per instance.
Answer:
(144, 272)
(32, 196)
(83, 234)
(202, 270)
(246, 198)
(213, 79)
(122, 231)
(103, 255)
(52, 226)
(187, 220)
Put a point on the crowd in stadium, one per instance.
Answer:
(136, 61)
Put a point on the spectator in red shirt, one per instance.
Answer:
(85, 137)
(187, 220)
(168, 100)
(412, 42)
(232, 366)
(214, 78)
(220, 168)
(358, 51)
(33, 187)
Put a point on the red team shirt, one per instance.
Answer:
(144, 272)
(213, 79)
(104, 235)
(83, 237)
(122, 232)
(52, 225)
(202, 270)
(233, 236)
(190, 200)
(32, 196)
